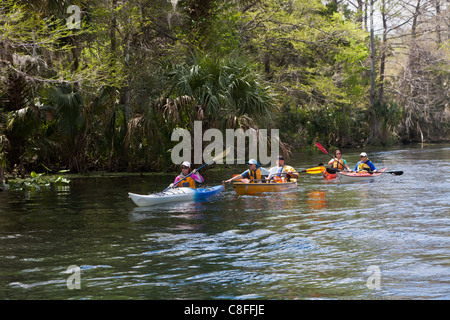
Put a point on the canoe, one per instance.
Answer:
(347, 177)
(174, 195)
(254, 188)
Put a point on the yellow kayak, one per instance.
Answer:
(254, 188)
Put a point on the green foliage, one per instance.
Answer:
(68, 109)
(312, 56)
(223, 89)
(222, 93)
(100, 97)
(39, 180)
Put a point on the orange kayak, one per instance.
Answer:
(255, 188)
(329, 176)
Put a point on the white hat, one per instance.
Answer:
(363, 154)
(186, 164)
(252, 161)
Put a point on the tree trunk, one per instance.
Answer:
(365, 14)
(383, 52)
(360, 13)
(112, 35)
(437, 5)
(374, 121)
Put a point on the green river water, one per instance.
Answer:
(387, 239)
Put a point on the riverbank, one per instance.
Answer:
(15, 180)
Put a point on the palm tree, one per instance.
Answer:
(70, 123)
(228, 92)
(222, 93)
(20, 120)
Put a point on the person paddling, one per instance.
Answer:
(189, 182)
(281, 170)
(254, 172)
(338, 162)
(365, 164)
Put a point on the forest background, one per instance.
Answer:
(107, 93)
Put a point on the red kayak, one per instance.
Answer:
(329, 176)
(358, 176)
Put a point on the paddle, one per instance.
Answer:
(321, 148)
(395, 173)
(314, 170)
(220, 156)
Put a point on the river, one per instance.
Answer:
(387, 239)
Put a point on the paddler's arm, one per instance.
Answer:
(294, 175)
(291, 172)
(346, 166)
(271, 174)
(197, 176)
(238, 177)
(174, 182)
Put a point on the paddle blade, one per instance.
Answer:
(321, 148)
(315, 170)
(396, 173)
(235, 175)
(221, 155)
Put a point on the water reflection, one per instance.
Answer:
(191, 210)
(267, 201)
(317, 241)
(316, 200)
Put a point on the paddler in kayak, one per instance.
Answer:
(365, 165)
(338, 162)
(189, 182)
(284, 172)
(255, 173)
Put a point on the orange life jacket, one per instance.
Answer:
(255, 175)
(187, 183)
(338, 164)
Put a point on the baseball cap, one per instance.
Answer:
(186, 164)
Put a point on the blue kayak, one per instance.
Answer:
(174, 195)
